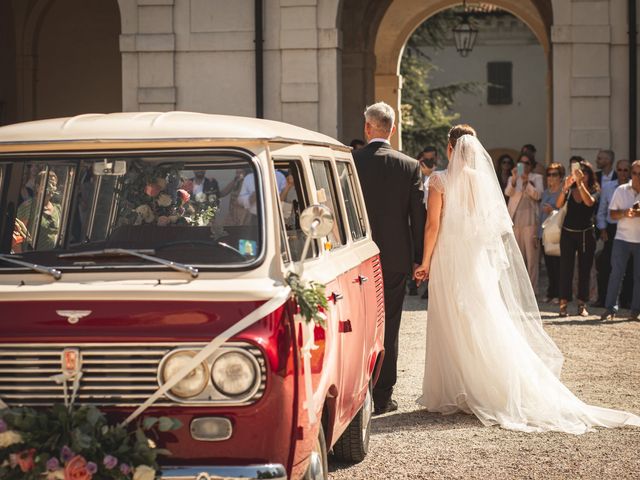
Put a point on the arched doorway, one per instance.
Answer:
(372, 51)
(65, 58)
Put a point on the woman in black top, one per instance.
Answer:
(577, 235)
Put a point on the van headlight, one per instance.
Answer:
(234, 373)
(196, 380)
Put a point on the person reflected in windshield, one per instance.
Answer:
(26, 216)
(201, 188)
(247, 196)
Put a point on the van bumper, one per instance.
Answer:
(270, 471)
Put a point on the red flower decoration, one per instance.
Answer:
(152, 189)
(184, 196)
(25, 460)
(76, 469)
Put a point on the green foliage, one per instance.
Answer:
(310, 297)
(427, 112)
(59, 434)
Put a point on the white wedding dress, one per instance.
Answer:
(487, 352)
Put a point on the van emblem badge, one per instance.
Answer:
(73, 316)
(71, 361)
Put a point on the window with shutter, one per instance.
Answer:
(499, 77)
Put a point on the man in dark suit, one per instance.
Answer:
(392, 189)
(606, 172)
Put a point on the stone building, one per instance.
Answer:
(314, 63)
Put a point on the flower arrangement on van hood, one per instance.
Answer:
(77, 444)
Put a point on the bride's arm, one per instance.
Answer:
(434, 210)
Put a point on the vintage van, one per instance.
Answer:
(129, 241)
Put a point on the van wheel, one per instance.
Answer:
(353, 445)
(318, 468)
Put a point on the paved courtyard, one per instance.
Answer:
(602, 366)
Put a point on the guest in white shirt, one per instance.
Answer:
(625, 208)
(524, 192)
(607, 228)
(247, 195)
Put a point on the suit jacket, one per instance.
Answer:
(599, 176)
(392, 188)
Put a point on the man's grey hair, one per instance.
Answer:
(381, 115)
(610, 154)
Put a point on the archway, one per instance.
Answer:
(388, 27)
(65, 56)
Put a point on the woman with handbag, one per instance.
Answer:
(580, 192)
(555, 174)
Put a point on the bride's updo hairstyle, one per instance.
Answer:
(459, 130)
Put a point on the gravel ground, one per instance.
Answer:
(601, 367)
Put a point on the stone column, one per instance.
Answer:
(310, 57)
(581, 37)
(147, 44)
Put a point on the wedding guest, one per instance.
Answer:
(606, 172)
(356, 144)
(237, 214)
(580, 191)
(428, 160)
(538, 168)
(29, 182)
(200, 184)
(607, 227)
(26, 217)
(524, 192)
(503, 170)
(625, 208)
(247, 196)
(555, 175)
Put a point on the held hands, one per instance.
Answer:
(421, 273)
(547, 208)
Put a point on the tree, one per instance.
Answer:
(426, 111)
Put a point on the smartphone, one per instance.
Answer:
(575, 166)
(520, 169)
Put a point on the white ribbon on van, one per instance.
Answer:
(262, 311)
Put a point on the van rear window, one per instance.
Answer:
(89, 212)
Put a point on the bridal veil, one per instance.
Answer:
(487, 351)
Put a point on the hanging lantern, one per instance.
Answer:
(465, 34)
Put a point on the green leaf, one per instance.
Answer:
(149, 422)
(165, 424)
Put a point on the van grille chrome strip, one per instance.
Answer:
(113, 374)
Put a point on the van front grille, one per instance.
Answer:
(113, 374)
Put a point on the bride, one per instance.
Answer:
(487, 352)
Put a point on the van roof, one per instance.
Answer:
(141, 126)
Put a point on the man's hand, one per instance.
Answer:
(547, 208)
(604, 235)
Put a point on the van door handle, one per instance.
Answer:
(335, 296)
(344, 326)
(361, 279)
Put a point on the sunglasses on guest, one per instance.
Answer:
(553, 174)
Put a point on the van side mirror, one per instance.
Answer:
(115, 168)
(315, 221)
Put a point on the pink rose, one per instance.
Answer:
(25, 460)
(184, 196)
(76, 469)
(152, 189)
(163, 221)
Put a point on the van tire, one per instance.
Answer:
(353, 445)
(318, 468)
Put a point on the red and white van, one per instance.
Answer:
(129, 241)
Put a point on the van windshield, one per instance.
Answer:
(199, 210)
